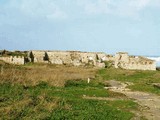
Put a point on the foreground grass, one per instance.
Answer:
(40, 91)
(143, 80)
(44, 101)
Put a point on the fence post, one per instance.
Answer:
(88, 80)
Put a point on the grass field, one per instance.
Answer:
(39, 91)
(47, 102)
(143, 80)
(32, 74)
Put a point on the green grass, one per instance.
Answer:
(88, 110)
(47, 102)
(142, 79)
(123, 104)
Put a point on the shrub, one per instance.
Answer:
(108, 64)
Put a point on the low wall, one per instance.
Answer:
(134, 63)
(13, 60)
(77, 58)
(139, 66)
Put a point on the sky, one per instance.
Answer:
(106, 26)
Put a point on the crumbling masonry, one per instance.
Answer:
(123, 60)
(77, 58)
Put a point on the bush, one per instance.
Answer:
(76, 83)
(108, 64)
(84, 84)
(158, 68)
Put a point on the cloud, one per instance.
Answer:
(42, 8)
(38, 9)
(130, 8)
(23, 21)
(95, 7)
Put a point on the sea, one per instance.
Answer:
(156, 58)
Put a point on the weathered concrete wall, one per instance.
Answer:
(18, 60)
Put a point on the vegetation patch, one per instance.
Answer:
(44, 101)
(40, 91)
(142, 79)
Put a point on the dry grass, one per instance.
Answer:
(15, 106)
(33, 74)
(30, 99)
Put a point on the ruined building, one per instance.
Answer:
(18, 60)
(123, 60)
(16, 57)
(77, 58)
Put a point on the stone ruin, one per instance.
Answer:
(16, 57)
(74, 58)
(77, 58)
(18, 60)
(123, 60)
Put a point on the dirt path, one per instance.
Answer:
(150, 103)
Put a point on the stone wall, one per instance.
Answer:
(110, 58)
(89, 58)
(58, 57)
(123, 60)
(72, 57)
(75, 58)
(37, 56)
(18, 60)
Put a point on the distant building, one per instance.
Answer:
(77, 58)
(123, 60)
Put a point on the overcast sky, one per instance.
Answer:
(86, 25)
